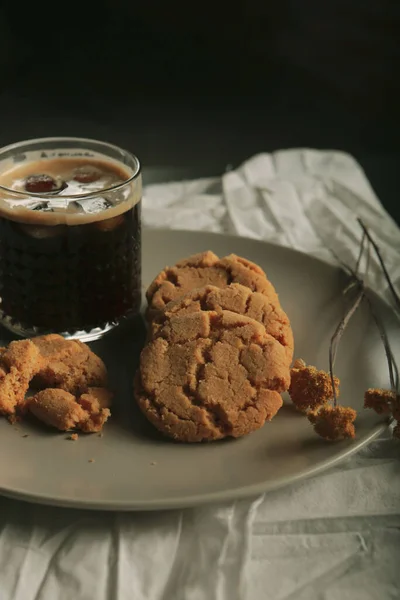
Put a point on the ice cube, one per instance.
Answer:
(92, 206)
(57, 204)
(42, 206)
(118, 196)
(30, 204)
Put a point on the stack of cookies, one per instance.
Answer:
(218, 352)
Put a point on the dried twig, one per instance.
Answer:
(336, 422)
(335, 340)
(355, 280)
(367, 263)
(395, 295)
(392, 366)
(361, 251)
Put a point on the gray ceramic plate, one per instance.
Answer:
(134, 468)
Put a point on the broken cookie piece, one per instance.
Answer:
(52, 346)
(95, 421)
(66, 369)
(13, 387)
(96, 401)
(24, 356)
(310, 388)
(68, 364)
(60, 409)
(56, 408)
(18, 364)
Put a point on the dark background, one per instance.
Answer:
(191, 88)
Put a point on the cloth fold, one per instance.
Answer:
(308, 200)
(333, 537)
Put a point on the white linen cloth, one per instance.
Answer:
(333, 537)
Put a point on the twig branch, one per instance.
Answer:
(392, 366)
(357, 281)
(358, 263)
(335, 340)
(367, 263)
(382, 263)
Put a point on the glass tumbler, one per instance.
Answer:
(70, 254)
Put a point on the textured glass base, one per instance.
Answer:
(83, 335)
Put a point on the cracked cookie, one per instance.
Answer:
(68, 364)
(205, 269)
(208, 375)
(238, 299)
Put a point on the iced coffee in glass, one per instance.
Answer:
(70, 237)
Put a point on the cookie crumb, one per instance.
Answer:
(310, 388)
(91, 460)
(73, 437)
(100, 434)
(153, 463)
(25, 435)
(334, 422)
(381, 401)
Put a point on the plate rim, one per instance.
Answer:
(179, 503)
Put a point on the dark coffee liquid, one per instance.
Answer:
(71, 277)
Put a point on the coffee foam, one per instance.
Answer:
(68, 206)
